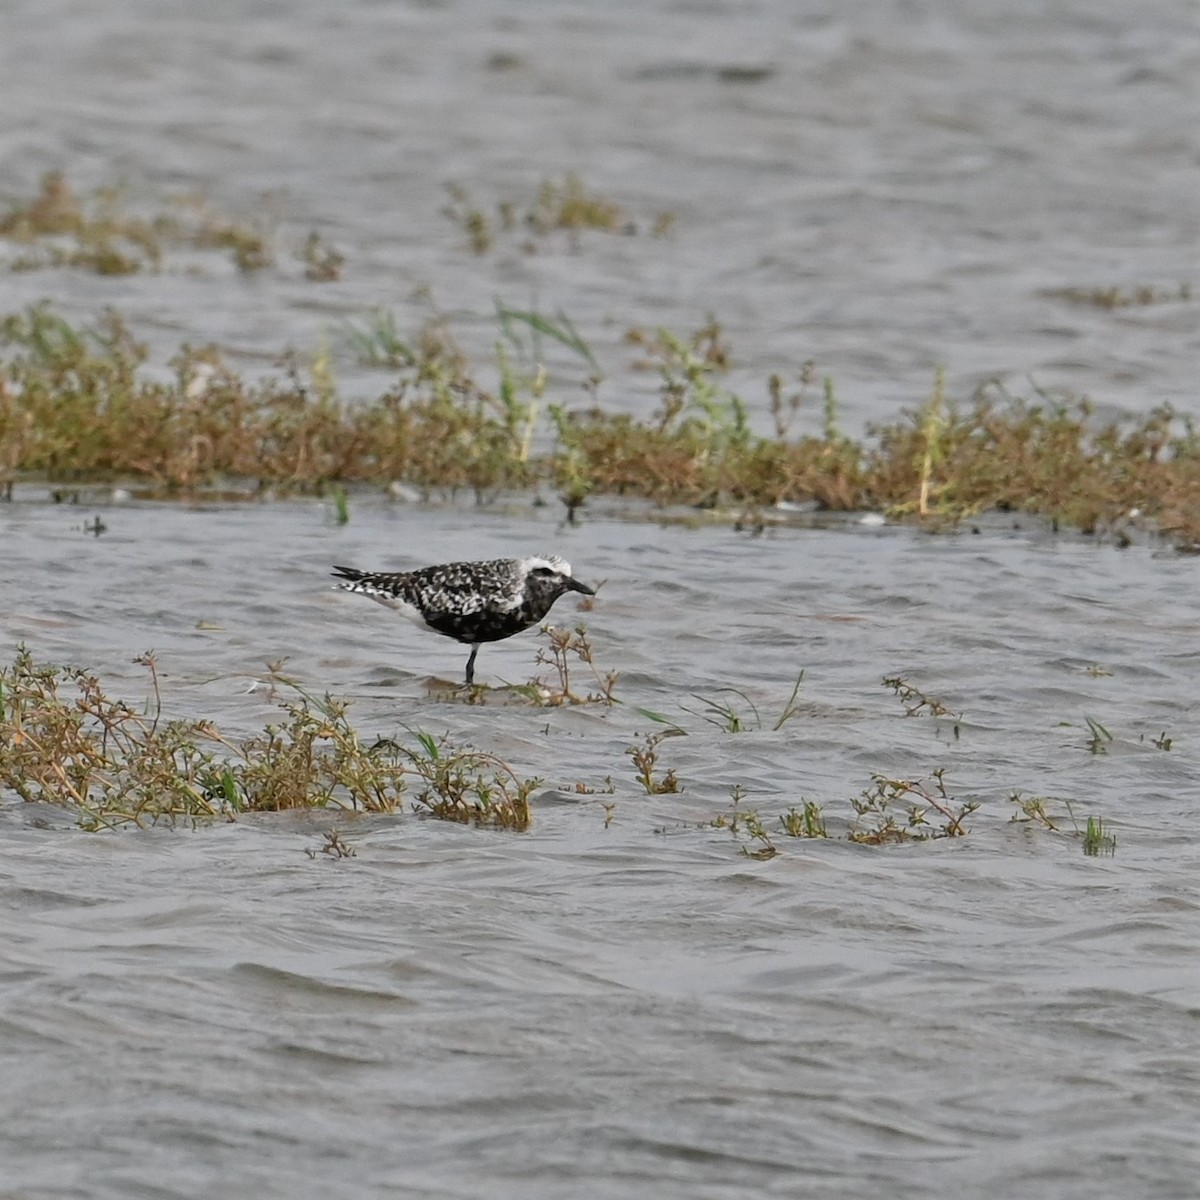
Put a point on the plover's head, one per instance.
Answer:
(548, 574)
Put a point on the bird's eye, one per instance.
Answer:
(543, 571)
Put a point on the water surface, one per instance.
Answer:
(619, 1002)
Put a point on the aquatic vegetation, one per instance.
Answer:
(75, 404)
(565, 205)
(645, 762)
(745, 823)
(377, 343)
(1034, 810)
(64, 741)
(334, 846)
(1095, 838)
(877, 822)
(1117, 297)
(58, 229)
(341, 504)
(805, 822)
(322, 263)
(916, 702)
(1100, 738)
(722, 713)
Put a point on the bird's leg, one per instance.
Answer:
(471, 664)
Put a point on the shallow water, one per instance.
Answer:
(619, 1002)
(615, 1008)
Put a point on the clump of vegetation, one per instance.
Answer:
(469, 786)
(745, 823)
(334, 846)
(916, 702)
(567, 643)
(560, 205)
(808, 821)
(64, 741)
(1096, 839)
(645, 763)
(1094, 836)
(58, 229)
(322, 263)
(877, 822)
(75, 405)
(1117, 297)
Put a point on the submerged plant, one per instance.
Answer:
(916, 702)
(744, 822)
(1033, 809)
(98, 233)
(722, 712)
(334, 846)
(1100, 738)
(1096, 839)
(645, 762)
(805, 822)
(560, 205)
(877, 822)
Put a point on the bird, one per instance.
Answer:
(472, 602)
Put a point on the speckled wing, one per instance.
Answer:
(469, 601)
(454, 596)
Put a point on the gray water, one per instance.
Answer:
(619, 1002)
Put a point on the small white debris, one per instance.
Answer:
(872, 519)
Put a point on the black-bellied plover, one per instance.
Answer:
(472, 602)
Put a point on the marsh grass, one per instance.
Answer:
(726, 715)
(75, 405)
(65, 741)
(1096, 839)
(1099, 738)
(565, 648)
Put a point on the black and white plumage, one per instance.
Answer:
(472, 602)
